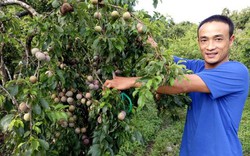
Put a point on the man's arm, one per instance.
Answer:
(190, 83)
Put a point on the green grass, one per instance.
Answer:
(167, 140)
(244, 130)
(163, 135)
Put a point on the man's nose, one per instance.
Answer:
(211, 45)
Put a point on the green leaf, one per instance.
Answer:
(2, 98)
(27, 133)
(149, 83)
(95, 43)
(15, 123)
(37, 109)
(119, 47)
(5, 121)
(56, 115)
(102, 104)
(60, 74)
(38, 123)
(44, 103)
(60, 106)
(8, 105)
(21, 144)
(44, 144)
(55, 4)
(141, 102)
(171, 81)
(36, 129)
(13, 90)
(95, 150)
(61, 115)
(59, 29)
(34, 143)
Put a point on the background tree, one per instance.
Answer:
(55, 55)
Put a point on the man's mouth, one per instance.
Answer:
(211, 55)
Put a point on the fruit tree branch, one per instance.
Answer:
(31, 10)
(14, 101)
(2, 65)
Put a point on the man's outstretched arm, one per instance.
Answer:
(190, 83)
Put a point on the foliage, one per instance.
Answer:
(51, 96)
(146, 121)
(244, 129)
(168, 140)
(241, 49)
(52, 102)
(184, 42)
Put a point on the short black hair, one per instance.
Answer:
(219, 18)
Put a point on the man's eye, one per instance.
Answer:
(219, 39)
(203, 40)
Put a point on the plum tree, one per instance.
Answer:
(72, 47)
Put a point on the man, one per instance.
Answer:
(218, 89)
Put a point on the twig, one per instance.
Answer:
(27, 7)
(2, 65)
(28, 46)
(37, 69)
(14, 101)
(8, 72)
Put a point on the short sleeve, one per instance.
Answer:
(194, 65)
(227, 78)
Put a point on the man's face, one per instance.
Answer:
(214, 43)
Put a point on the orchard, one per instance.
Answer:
(55, 57)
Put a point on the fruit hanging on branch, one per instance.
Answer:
(35, 50)
(33, 79)
(140, 28)
(27, 116)
(40, 56)
(98, 28)
(122, 115)
(126, 16)
(23, 107)
(97, 15)
(66, 8)
(115, 14)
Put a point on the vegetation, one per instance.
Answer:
(244, 132)
(55, 56)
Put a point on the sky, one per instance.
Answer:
(191, 10)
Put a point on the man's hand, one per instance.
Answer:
(121, 83)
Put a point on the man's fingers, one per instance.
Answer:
(107, 84)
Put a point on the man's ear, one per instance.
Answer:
(231, 40)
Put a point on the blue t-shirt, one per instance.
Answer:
(213, 119)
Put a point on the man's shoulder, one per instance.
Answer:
(234, 66)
